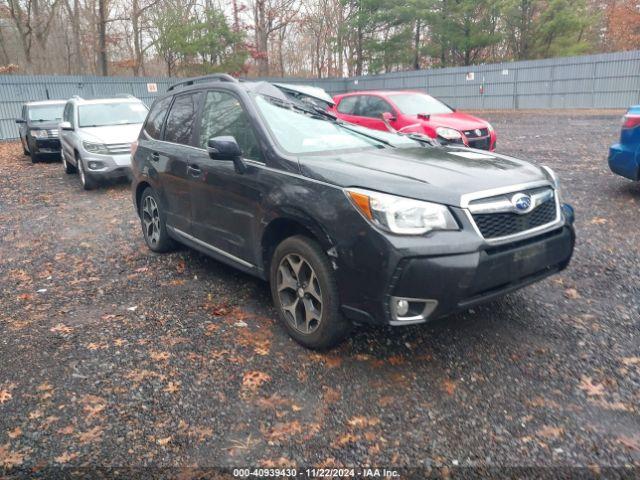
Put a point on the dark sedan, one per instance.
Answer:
(38, 125)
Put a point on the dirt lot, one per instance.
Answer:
(112, 355)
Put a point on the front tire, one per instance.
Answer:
(153, 221)
(68, 168)
(305, 292)
(88, 183)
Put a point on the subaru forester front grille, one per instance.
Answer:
(498, 217)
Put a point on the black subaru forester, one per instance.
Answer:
(348, 225)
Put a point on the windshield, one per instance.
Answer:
(299, 133)
(104, 114)
(415, 103)
(45, 113)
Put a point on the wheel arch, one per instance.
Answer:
(285, 225)
(140, 187)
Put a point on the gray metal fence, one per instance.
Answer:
(595, 81)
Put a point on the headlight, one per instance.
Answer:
(401, 215)
(95, 148)
(39, 133)
(555, 181)
(448, 133)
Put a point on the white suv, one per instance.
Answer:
(96, 137)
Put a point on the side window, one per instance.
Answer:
(223, 115)
(181, 118)
(65, 113)
(153, 125)
(348, 105)
(371, 106)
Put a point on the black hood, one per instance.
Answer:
(53, 124)
(438, 174)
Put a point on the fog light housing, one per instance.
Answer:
(405, 311)
(93, 165)
(402, 307)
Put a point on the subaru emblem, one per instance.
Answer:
(522, 202)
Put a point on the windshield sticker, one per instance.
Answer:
(473, 155)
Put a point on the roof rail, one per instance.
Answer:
(220, 77)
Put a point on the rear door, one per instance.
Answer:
(347, 109)
(170, 158)
(225, 203)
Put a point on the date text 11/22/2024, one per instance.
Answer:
(315, 472)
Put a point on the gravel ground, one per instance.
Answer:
(111, 355)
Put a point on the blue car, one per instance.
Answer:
(624, 157)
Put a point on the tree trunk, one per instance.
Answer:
(416, 46)
(102, 38)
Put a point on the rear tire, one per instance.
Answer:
(153, 221)
(305, 292)
(88, 183)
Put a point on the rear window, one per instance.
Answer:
(181, 118)
(153, 127)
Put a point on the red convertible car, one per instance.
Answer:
(414, 112)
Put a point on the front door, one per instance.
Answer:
(225, 203)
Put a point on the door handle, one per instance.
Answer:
(194, 170)
(155, 156)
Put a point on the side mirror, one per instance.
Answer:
(65, 126)
(226, 148)
(389, 117)
(20, 120)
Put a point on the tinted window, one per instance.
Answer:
(181, 118)
(223, 115)
(153, 126)
(371, 106)
(348, 105)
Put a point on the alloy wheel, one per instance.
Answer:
(299, 293)
(151, 220)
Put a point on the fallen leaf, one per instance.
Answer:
(65, 457)
(361, 421)
(550, 432)
(5, 396)
(281, 431)
(591, 389)
(15, 433)
(255, 379)
(632, 443)
(449, 386)
(163, 441)
(159, 356)
(10, 459)
(172, 387)
(571, 294)
(90, 435)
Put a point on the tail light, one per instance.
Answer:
(134, 147)
(630, 121)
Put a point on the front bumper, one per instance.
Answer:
(107, 166)
(625, 161)
(448, 281)
(45, 146)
